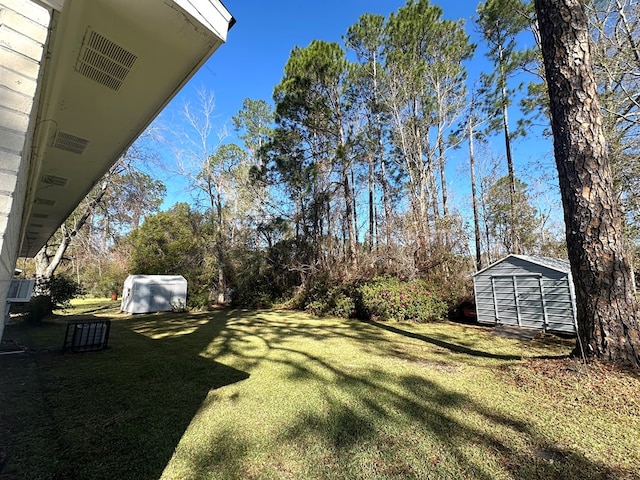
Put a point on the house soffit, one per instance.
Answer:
(111, 66)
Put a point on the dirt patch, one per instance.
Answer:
(571, 382)
(519, 333)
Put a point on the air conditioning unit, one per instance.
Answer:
(20, 291)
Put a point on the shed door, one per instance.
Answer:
(518, 300)
(504, 300)
(530, 306)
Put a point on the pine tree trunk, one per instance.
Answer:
(386, 203)
(348, 219)
(606, 305)
(443, 175)
(474, 198)
(349, 202)
(515, 243)
(220, 249)
(371, 234)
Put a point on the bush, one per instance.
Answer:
(314, 292)
(62, 290)
(386, 298)
(39, 307)
(383, 298)
(321, 298)
(336, 303)
(253, 294)
(259, 281)
(54, 292)
(179, 306)
(198, 299)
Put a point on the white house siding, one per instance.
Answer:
(23, 34)
(519, 291)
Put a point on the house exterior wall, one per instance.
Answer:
(518, 292)
(23, 34)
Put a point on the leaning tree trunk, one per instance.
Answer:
(46, 265)
(606, 305)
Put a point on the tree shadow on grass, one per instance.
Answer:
(442, 344)
(139, 396)
(431, 439)
(384, 424)
(118, 413)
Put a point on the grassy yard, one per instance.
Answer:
(272, 395)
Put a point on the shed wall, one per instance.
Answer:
(153, 293)
(521, 293)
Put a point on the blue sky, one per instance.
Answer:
(251, 63)
(258, 46)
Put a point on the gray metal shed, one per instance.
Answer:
(526, 291)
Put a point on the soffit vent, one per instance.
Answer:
(36, 225)
(45, 201)
(103, 61)
(40, 215)
(55, 180)
(70, 143)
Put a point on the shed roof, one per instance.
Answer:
(557, 264)
(155, 279)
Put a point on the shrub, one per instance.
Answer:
(383, 298)
(39, 307)
(253, 294)
(341, 304)
(179, 306)
(387, 298)
(260, 280)
(198, 299)
(62, 290)
(54, 292)
(321, 298)
(335, 302)
(312, 296)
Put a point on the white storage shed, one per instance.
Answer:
(153, 293)
(526, 291)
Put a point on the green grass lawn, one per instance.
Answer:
(272, 394)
